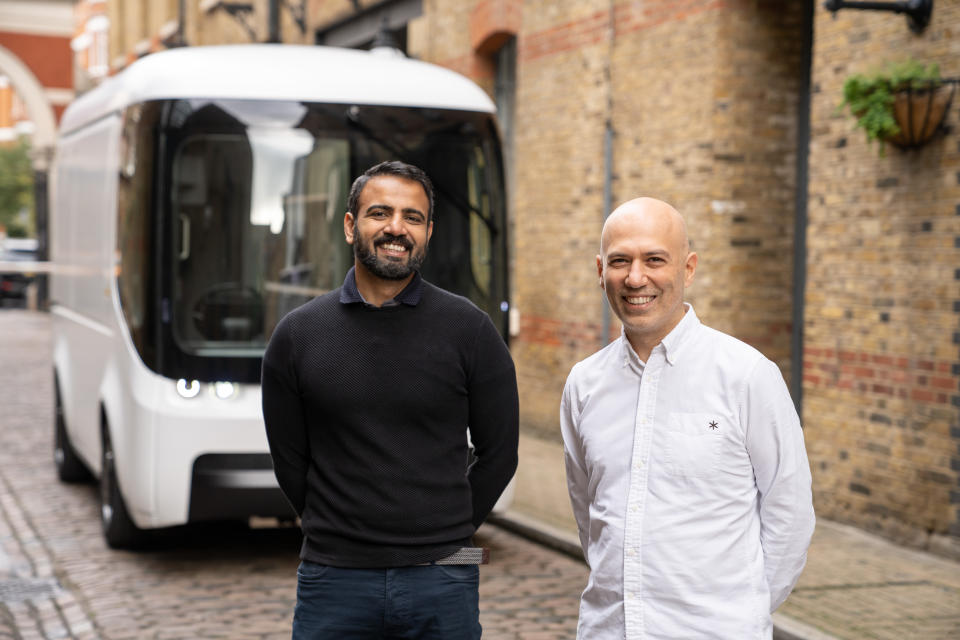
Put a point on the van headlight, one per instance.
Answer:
(224, 390)
(188, 389)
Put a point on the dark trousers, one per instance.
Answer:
(431, 602)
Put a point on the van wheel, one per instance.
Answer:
(118, 528)
(69, 466)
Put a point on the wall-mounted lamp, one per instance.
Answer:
(918, 11)
(242, 12)
(298, 11)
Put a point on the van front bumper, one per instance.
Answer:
(228, 486)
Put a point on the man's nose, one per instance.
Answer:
(395, 225)
(637, 276)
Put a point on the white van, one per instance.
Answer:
(197, 197)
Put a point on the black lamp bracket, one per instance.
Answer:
(918, 11)
(299, 13)
(242, 12)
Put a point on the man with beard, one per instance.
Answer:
(368, 392)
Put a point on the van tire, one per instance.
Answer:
(70, 467)
(118, 528)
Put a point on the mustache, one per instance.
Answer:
(389, 238)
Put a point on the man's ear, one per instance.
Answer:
(690, 268)
(348, 227)
(600, 270)
(429, 231)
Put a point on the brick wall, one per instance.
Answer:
(881, 344)
(702, 96)
(137, 26)
(48, 57)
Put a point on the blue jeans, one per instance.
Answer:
(431, 602)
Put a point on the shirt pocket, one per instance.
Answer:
(693, 444)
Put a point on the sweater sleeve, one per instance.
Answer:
(494, 419)
(283, 418)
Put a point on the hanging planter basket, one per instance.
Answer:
(920, 113)
(905, 105)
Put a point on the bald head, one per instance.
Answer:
(657, 215)
(645, 264)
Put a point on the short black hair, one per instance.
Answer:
(390, 168)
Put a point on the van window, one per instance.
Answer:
(242, 217)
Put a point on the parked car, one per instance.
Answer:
(13, 284)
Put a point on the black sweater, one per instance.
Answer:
(366, 411)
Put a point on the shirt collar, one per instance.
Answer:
(410, 296)
(679, 336)
(672, 344)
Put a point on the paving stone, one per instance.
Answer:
(240, 583)
(209, 582)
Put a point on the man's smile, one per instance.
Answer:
(394, 248)
(639, 299)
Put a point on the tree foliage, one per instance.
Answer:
(16, 188)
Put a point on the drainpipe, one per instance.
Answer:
(608, 133)
(801, 204)
(273, 20)
(181, 28)
(41, 169)
(607, 205)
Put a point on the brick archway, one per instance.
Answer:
(36, 57)
(492, 22)
(34, 97)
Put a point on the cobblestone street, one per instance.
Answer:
(58, 579)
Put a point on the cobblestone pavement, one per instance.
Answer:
(858, 586)
(59, 580)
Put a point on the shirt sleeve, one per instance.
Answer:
(775, 443)
(577, 480)
(284, 420)
(494, 419)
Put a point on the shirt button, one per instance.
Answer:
(631, 552)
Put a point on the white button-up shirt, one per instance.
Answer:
(690, 485)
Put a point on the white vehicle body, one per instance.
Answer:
(143, 355)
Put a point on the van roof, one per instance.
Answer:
(279, 72)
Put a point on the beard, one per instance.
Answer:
(387, 269)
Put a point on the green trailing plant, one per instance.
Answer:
(871, 97)
(16, 188)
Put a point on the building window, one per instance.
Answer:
(98, 63)
(91, 47)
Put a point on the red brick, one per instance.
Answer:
(943, 383)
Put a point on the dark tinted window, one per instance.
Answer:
(249, 222)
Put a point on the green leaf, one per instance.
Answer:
(16, 188)
(870, 97)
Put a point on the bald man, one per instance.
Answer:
(685, 458)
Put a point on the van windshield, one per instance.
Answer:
(253, 205)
